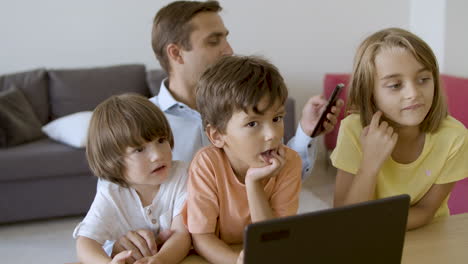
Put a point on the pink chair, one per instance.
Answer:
(456, 89)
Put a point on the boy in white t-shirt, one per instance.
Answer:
(140, 187)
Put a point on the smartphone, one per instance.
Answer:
(331, 102)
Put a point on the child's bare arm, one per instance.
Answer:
(350, 188)
(260, 208)
(423, 211)
(214, 249)
(175, 249)
(90, 251)
(378, 141)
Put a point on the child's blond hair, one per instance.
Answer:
(363, 77)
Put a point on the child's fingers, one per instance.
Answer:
(142, 261)
(148, 236)
(394, 138)
(138, 244)
(127, 244)
(281, 151)
(390, 130)
(375, 120)
(365, 131)
(278, 160)
(384, 126)
(121, 257)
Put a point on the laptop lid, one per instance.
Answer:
(368, 232)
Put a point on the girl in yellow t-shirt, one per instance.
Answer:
(400, 138)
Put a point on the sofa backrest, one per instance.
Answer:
(34, 85)
(74, 90)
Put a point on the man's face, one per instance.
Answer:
(209, 43)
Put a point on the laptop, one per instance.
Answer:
(368, 232)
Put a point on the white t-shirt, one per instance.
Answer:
(117, 210)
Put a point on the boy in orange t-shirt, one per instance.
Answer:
(248, 175)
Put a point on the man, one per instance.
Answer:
(187, 37)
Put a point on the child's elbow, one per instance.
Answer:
(184, 239)
(419, 217)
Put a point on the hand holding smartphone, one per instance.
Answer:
(331, 102)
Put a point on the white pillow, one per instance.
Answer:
(71, 129)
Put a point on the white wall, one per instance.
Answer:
(305, 39)
(456, 39)
(428, 21)
(58, 33)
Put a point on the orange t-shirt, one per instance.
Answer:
(217, 201)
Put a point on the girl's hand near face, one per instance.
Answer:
(378, 141)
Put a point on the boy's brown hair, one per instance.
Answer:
(127, 120)
(171, 25)
(237, 83)
(363, 77)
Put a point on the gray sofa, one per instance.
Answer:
(43, 178)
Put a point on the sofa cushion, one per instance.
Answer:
(76, 90)
(70, 129)
(34, 85)
(18, 122)
(42, 158)
(154, 79)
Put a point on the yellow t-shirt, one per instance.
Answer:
(444, 159)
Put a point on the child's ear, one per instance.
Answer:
(174, 53)
(215, 136)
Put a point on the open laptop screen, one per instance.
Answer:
(368, 232)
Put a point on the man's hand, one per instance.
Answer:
(312, 111)
(141, 242)
(276, 162)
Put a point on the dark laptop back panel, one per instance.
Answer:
(369, 232)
